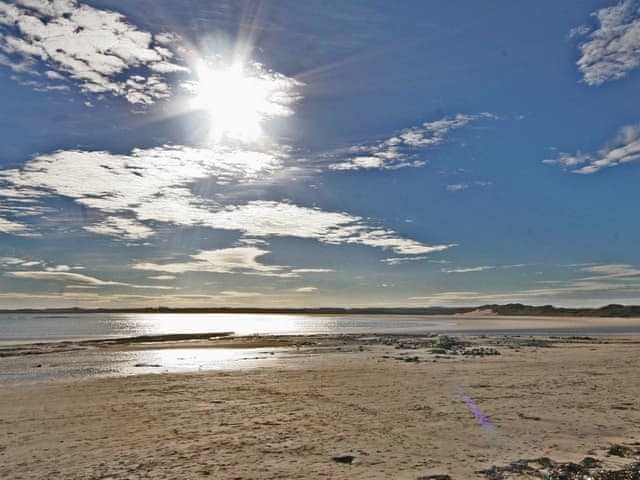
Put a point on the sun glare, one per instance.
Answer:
(236, 101)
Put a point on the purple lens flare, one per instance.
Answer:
(480, 416)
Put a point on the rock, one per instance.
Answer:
(545, 468)
(620, 451)
(435, 477)
(529, 417)
(590, 462)
(343, 458)
(154, 365)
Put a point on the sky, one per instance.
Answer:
(320, 153)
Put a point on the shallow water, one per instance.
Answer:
(95, 362)
(34, 328)
(26, 328)
(90, 363)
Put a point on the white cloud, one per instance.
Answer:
(237, 294)
(612, 49)
(225, 260)
(76, 278)
(399, 151)
(150, 183)
(124, 228)
(306, 289)
(16, 261)
(623, 149)
(14, 228)
(59, 268)
(312, 270)
(579, 31)
(611, 271)
(608, 283)
(481, 268)
(153, 185)
(162, 277)
(568, 293)
(456, 187)
(400, 260)
(95, 48)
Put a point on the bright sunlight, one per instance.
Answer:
(237, 99)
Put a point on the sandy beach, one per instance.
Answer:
(395, 404)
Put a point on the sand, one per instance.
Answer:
(334, 396)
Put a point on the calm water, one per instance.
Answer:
(34, 328)
(95, 362)
(17, 328)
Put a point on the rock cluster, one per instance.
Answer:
(545, 468)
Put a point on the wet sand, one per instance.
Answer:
(393, 403)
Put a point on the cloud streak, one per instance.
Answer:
(226, 260)
(624, 148)
(400, 150)
(77, 278)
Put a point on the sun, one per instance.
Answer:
(237, 99)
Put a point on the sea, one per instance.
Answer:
(87, 363)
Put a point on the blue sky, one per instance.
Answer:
(284, 153)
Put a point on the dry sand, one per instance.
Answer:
(399, 419)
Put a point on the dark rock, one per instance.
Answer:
(620, 451)
(343, 458)
(528, 417)
(590, 462)
(547, 469)
(435, 477)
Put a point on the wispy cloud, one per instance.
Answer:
(306, 289)
(456, 187)
(123, 228)
(14, 228)
(77, 278)
(13, 262)
(162, 277)
(623, 149)
(612, 49)
(481, 268)
(96, 49)
(400, 260)
(400, 150)
(568, 293)
(611, 271)
(605, 283)
(225, 260)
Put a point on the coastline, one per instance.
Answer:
(389, 401)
